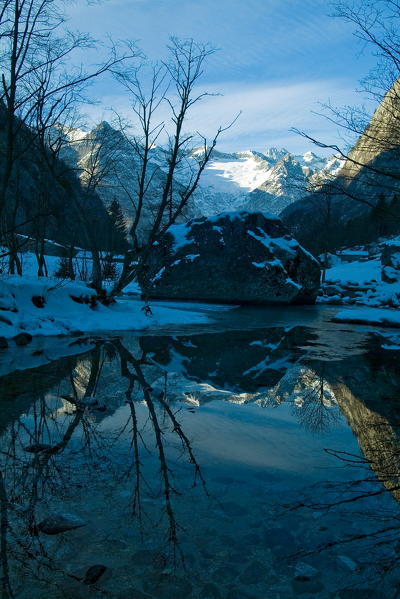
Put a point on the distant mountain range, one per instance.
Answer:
(267, 181)
(257, 181)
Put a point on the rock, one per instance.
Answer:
(331, 290)
(237, 257)
(390, 274)
(23, 338)
(38, 301)
(3, 343)
(58, 523)
(328, 260)
(347, 563)
(304, 570)
(306, 579)
(94, 573)
(38, 448)
(391, 254)
(390, 260)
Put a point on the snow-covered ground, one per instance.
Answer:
(355, 272)
(375, 316)
(50, 306)
(370, 300)
(359, 283)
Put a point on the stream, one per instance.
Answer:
(253, 457)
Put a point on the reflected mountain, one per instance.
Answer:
(367, 390)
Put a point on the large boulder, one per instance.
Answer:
(237, 257)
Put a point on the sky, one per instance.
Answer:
(277, 62)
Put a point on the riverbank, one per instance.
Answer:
(31, 306)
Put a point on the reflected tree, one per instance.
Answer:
(37, 472)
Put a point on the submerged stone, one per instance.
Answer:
(94, 573)
(59, 523)
(23, 338)
(347, 563)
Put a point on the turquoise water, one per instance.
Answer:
(254, 457)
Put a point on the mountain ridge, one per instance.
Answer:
(245, 180)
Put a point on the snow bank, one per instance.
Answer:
(49, 306)
(355, 272)
(373, 316)
(359, 283)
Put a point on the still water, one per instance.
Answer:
(255, 457)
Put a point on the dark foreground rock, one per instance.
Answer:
(238, 257)
(23, 338)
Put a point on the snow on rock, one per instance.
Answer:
(50, 306)
(236, 257)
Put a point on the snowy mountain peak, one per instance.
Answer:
(249, 180)
(275, 153)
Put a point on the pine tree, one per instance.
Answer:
(118, 240)
(64, 269)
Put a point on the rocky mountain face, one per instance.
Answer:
(253, 181)
(369, 178)
(106, 159)
(45, 197)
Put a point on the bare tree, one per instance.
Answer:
(40, 85)
(374, 156)
(173, 83)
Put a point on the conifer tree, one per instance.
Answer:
(118, 240)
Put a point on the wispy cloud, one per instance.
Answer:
(268, 112)
(277, 60)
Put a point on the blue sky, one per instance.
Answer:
(277, 60)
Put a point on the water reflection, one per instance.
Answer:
(153, 482)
